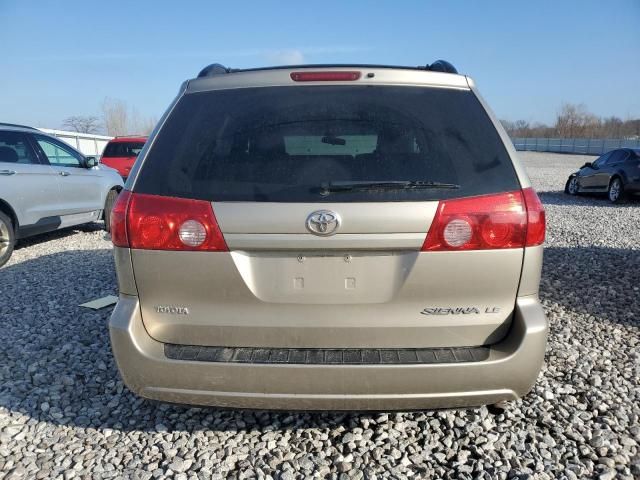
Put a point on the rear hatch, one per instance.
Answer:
(324, 195)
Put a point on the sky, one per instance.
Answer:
(59, 59)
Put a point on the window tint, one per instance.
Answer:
(600, 161)
(59, 154)
(123, 149)
(617, 156)
(14, 148)
(284, 144)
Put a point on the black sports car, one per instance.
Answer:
(616, 173)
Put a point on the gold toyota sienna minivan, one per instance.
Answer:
(339, 237)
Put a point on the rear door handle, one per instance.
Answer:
(65, 174)
(7, 172)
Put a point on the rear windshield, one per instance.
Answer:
(288, 144)
(123, 149)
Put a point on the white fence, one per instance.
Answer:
(585, 146)
(87, 143)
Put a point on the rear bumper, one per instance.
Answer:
(507, 374)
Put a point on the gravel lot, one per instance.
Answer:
(64, 412)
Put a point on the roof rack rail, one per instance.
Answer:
(218, 69)
(442, 66)
(2, 124)
(213, 69)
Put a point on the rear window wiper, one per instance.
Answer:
(372, 186)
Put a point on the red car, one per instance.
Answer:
(121, 152)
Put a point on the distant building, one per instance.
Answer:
(87, 143)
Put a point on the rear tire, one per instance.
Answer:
(616, 190)
(108, 207)
(7, 238)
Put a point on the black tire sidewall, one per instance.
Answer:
(620, 195)
(567, 188)
(108, 206)
(4, 258)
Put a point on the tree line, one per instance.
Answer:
(575, 121)
(117, 119)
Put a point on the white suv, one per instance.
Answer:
(45, 184)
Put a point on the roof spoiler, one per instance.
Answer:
(218, 69)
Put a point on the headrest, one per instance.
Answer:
(395, 142)
(8, 154)
(271, 142)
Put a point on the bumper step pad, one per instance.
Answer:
(329, 356)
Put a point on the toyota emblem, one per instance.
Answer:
(323, 222)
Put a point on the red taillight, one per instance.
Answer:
(479, 223)
(167, 223)
(118, 220)
(324, 76)
(536, 218)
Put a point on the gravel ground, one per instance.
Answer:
(64, 412)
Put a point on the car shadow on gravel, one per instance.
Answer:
(56, 364)
(564, 199)
(57, 235)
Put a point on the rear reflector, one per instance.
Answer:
(338, 76)
(165, 223)
(505, 220)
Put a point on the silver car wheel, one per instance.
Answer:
(573, 185)
(614, 190)
(5, 238)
